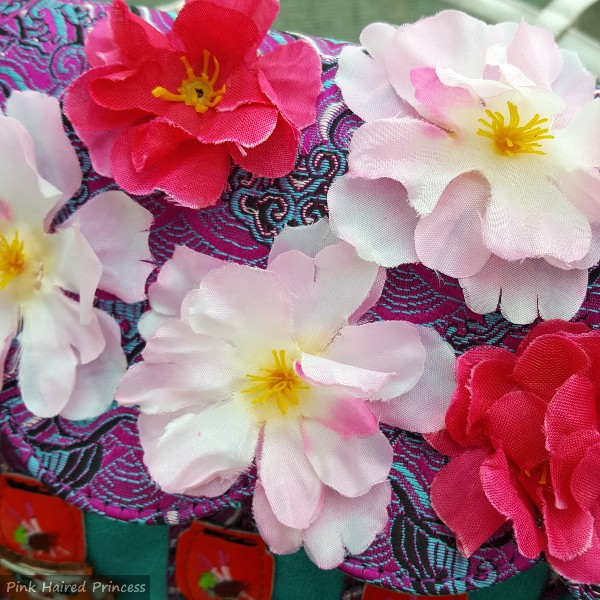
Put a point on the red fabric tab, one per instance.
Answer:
(213, 562)
(371, 592)
(38, 526)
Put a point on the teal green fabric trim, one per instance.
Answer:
(297, 578)
(118, 548)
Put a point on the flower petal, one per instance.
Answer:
(248, 307)
(280, 538)
(228, 43)
(585, 486)
(296, 97)
(525, 287)
(443, 442)
(460, 44)
(359, 382)
(566, 454)
(575, 85)
(96, 382)
(290, 483)
(275, 157)
(348, 416)
(581, 187)
(534, 51)
(420, 155)
(578, 144)
(306, 239)
(158, 388)
(100, 48)
(53, 343)
(347, 524)
(548, 362)
(457, 418)
(55, 157)
(342, 282)
(530, 217)
(181, 273)
(9, 323)
(572, 409)
(220, 445)
(131, 32)
(457, 494)
(570, 531)
(247, 125)
(389, 238)
(502, 489)
(423, 408)
(349, 466)
(515, 424)
(582, 569)
(363, 78)
(77, 268)
(99, 145)
(116, 228)
(194, 174)
(85, 113)
(383, 346)
(450, 238)
(24, 195)
(181, 369)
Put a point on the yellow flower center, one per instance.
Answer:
(196, 90)
(543, 473)
(513, 138)
(12, 259)
(279, 383)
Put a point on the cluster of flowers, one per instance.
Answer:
(477, 159)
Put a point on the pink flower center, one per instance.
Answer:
(513, 138)
(12, 259)
(197, 90)
(279, 383)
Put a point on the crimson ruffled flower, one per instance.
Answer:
(171, 112)
(523, 435)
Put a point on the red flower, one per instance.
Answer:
(524, 437)
(172, 111)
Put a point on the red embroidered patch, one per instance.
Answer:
(371, 592)
(36, 525)
(213, 562)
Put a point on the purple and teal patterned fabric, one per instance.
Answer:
(97, 465)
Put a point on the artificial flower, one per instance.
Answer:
(70, 355)
(479, 159)
(171, 112)
(244, 363)
(524, 439)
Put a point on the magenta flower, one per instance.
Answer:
(172, 112)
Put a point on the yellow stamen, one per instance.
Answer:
(12, 259)
(543, 480)
(544, 472)
(279, 383)
(512, 138)
(196, 90)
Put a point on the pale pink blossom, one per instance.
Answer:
(271, 364)
(70, 358)
(479, 158)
